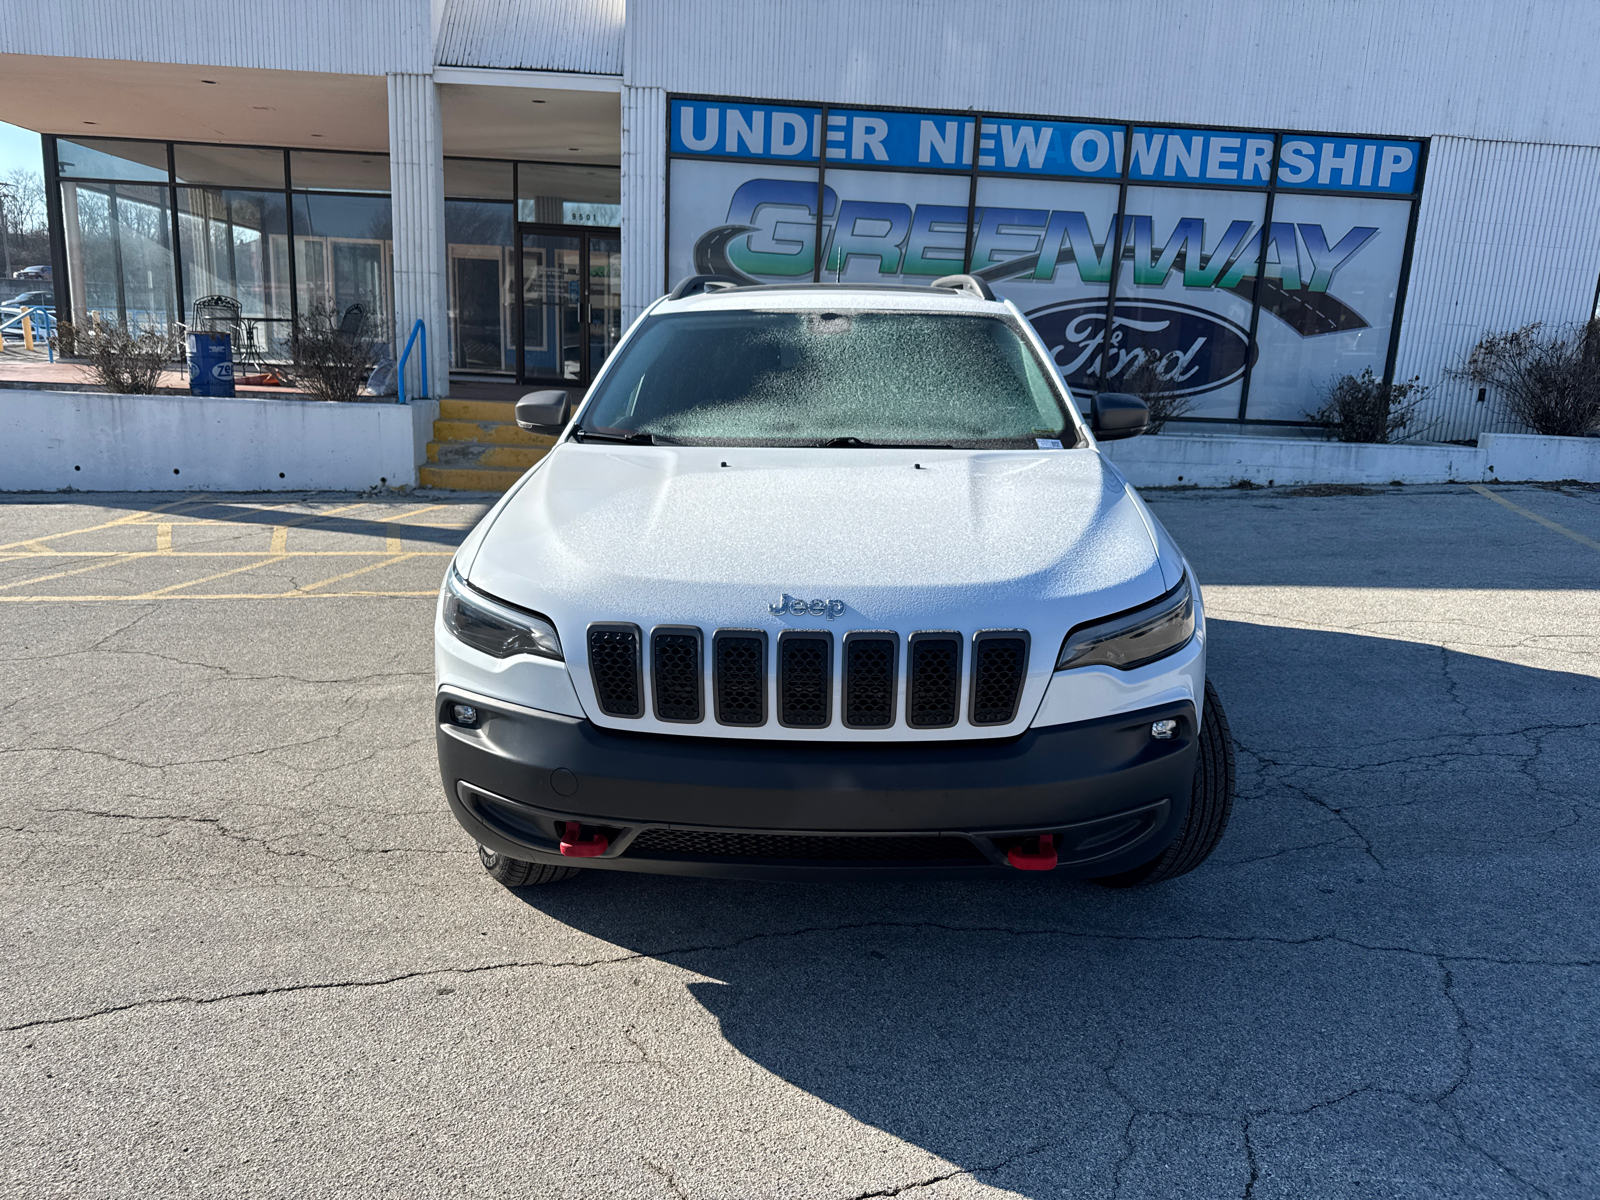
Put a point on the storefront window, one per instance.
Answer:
(119, 253)
(483, 332)
(229, 166)
(477, 179)
(236, 244)
(344, 257)
(569, 194)
(132, 162)
(327, 171)
(1057, 215)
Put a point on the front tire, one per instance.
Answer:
(1210, 803)
(514, 872)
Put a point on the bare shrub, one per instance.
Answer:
(119, 359)
(1550, 381)
(328, 363)
(1158, 393)
(1362, 408)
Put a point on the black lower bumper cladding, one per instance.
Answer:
(1109, 794)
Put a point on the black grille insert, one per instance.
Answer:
(614, 667)
(795, 847)
(675, 673)
(999, 666)
(933, 685)
(805, 663)
(739, 667)
(869, 680)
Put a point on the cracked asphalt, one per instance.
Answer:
(247, 951)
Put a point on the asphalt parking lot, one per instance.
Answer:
(247, 951)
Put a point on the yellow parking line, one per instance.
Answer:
(163, 539)
(358, 571)
(280, 539)
(159, 592)
(1533, 516)
(130, 519)
(224, 554)
(391, 541)
(121, 558)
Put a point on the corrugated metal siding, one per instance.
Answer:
(1468, 67)
(644, 198)
(416, 182)
(548, 35)
(1508, 233)
(348, 37)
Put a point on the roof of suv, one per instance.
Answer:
(702, 292)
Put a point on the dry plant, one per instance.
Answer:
(328, 363)
(1362, 408)
(1550, 381)
(119, 359)
(1158, 393)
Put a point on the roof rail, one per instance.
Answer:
(970, 284)
(695, 284)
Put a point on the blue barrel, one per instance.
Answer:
(211, 364)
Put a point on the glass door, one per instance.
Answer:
(571, 302)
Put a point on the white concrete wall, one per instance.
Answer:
(644, 198)
(92, 441)
(1180, 460)
(546, 35)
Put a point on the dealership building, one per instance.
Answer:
(1254, 197)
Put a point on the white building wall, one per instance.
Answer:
(644, 198)
(1474, 68)
(1508, 233)
(550, 35)
(348, 37)
(416, 180)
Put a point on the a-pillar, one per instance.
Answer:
(416, 188)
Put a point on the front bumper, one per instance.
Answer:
(1110, 793)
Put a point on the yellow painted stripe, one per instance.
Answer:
(280, 539)
(391, 539)
(129, 519)
(478, 410)
(159, 592)
(484, 480)
(121, 558)
(132, 554)
(388, 562)
(163, 539)
(1533, 516)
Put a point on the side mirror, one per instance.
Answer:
(545, 409)
(1117, 415)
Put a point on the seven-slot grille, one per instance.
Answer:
(803, 667)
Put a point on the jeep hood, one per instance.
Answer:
(907, 539)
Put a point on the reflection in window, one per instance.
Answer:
(236, 244)
(119, 253)
(344, 256)
(482, 286)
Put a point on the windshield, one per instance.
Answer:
(829, 378)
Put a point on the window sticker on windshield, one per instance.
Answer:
(1048, 443)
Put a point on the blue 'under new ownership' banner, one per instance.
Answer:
(1019, 146)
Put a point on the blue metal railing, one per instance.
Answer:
(42, 323)
(417, 330)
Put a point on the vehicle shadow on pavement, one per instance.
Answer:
(1363, 983)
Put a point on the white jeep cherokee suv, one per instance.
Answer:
(827, 580)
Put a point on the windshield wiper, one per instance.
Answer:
(630, 437)
(857, 443)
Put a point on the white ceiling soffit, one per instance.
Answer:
(547, 124)
(547, 35)
(90, 97)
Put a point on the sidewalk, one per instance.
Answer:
(21, 368)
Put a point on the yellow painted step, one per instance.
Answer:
(478, 410)
(459, 454)
(473, 479)
(487, 432)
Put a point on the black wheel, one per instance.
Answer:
(1210, 802)
(514, 872)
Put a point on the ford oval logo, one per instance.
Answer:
(1195, 350)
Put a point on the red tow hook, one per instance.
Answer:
(1042, 859)
(575, 845)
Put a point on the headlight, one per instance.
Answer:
(494, 627)
(1134, 638)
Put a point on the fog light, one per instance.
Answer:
(1158, 729)
(465, 714)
